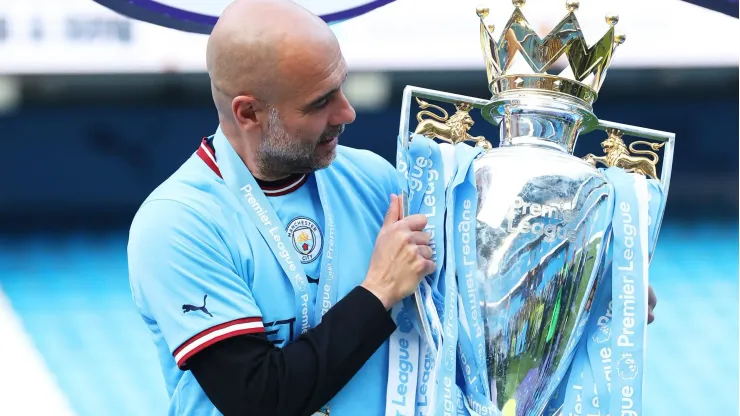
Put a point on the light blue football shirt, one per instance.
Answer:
(200, 271)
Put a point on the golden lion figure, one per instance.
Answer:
(618, 154)
(450, 129)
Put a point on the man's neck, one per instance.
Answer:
(248, 155)
(267, 177)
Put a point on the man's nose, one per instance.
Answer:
(344, 114)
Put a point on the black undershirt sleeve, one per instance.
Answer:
(247, 375)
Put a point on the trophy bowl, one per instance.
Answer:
(542, 226)
(543, 218)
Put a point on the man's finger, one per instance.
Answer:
(429, 267)
(420, 238)
(394, 211)
(652, 299)
(426, 252)
(416, 222)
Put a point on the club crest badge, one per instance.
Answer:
(306, 237)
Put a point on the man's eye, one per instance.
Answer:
(323, 103)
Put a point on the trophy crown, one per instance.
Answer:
(520, 59)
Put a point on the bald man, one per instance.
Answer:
(266, 265)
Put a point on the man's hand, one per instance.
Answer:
(401, 257)
(652, 301)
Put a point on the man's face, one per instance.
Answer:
(284, 153)
(302, 132)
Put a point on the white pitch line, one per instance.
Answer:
(27, 387)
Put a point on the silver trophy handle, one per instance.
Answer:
(665, 172)
(662, 136)
(403, 130)
(411, 92)
(657, 135)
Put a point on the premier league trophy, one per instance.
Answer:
(529, 239)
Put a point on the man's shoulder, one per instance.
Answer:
(367, 168)
(364, 159)
(193, 191)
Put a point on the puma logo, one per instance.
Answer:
(191, 308)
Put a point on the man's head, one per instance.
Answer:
(276, 74)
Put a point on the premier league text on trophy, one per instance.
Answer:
(535, 219)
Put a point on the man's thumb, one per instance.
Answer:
(394, 211)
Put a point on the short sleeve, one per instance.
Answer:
(183, 278)
(394, 180)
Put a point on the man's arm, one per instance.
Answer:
(247, 375)
(178, 258)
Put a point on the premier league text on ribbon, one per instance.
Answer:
(605, 352)
(405, 372)
(326, 301)
(282, 251)
(422, 400)
(627, 303)
(429, 200)
(627, 297)
(466, 228)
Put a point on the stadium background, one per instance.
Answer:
(96, 110)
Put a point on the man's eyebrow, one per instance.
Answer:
(328, 94)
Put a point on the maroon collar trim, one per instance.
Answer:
(284, 186)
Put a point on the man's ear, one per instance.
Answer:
(246, 110)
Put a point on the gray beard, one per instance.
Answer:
(281, 155)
